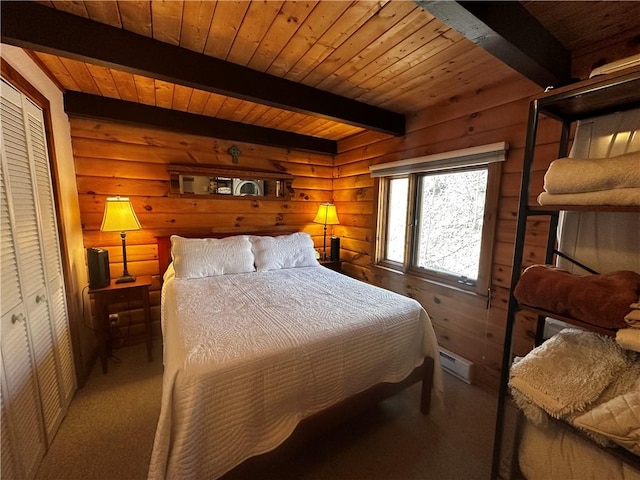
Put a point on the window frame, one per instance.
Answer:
(408, 267)
(385, 191)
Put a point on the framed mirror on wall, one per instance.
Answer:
(220, 182)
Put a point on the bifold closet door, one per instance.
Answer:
(38, 325)
(23, 438)
(51, 251)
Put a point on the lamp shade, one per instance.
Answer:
(119, 216)
(327, 214)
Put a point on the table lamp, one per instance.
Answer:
(120, 217)
(326, 215)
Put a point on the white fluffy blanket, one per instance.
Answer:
(568, 372)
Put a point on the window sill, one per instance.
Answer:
(429, 281)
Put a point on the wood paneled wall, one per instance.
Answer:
(117, 159)
(462, 321)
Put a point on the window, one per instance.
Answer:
(396, 219)
(437, 217)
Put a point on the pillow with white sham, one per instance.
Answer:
(284, 251)
(209, 257)
(169, 273)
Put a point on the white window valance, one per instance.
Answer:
(481, 155)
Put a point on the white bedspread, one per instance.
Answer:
(247, 356)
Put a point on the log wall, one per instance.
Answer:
(117, 159)
(462, 321)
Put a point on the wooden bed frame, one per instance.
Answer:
(327, 419)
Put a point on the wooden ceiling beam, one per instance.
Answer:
(510, 33)
(95, 106)
(36, 27)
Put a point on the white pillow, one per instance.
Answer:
(208, 257)
(284, 251)
(169, 273)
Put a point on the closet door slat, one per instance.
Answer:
(44, 189)
(58, 308)
(18, 177)
(10, 294)
(44, 355)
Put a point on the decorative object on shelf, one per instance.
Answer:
(327, 215)
(235, 152)
(203, 181)
(119, 216)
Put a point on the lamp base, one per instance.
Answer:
(126, 279)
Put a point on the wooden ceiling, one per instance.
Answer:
(393, 55)
(579, 24)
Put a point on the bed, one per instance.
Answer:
(260, 341)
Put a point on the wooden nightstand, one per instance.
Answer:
(335, 265)
(132, 292)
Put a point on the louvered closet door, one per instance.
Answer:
(51, 249)
(20, 148)
(22, 432)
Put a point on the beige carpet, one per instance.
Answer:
(108, 433)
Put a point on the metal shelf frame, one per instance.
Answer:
(591, 98)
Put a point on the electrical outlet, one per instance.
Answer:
(113, 319)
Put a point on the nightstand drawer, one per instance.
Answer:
(131, 294)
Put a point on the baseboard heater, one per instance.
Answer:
(456, 365)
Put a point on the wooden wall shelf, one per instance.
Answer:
(221, 182)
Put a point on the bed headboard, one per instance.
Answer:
(164, 242)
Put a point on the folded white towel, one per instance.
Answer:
(633, 318)
(575, 175)
(617, 197)
(629, 338)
